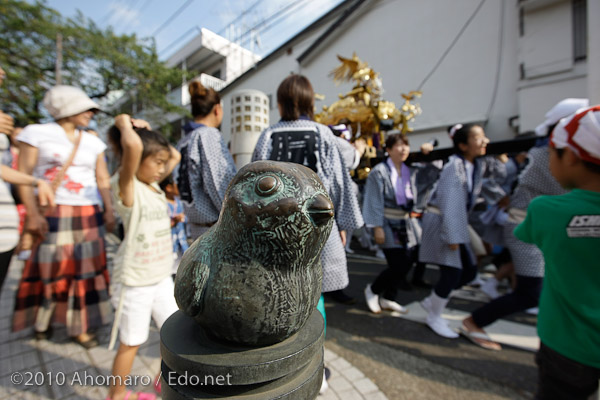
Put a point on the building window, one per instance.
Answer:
(257, 99)
(247, 98)
(238, 128)
(257, 128)
(238, 99)
(579, 30)
(238, 109)
(238, 118)
(247, 118)
(257, 118)
(247, 128)
(266, 122)
(247, 108)
(257, 109)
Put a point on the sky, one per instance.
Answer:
(172, 23)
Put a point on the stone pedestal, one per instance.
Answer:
(197, 366)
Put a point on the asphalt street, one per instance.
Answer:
(407, 360)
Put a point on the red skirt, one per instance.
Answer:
(66, 280)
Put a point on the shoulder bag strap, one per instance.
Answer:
(58, 178)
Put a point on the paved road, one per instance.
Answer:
(408, 361)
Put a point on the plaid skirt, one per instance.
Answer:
(66, 280)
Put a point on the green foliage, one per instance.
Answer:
(99, 61)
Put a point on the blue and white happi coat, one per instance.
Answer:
(535, 180)
(379, 194)
(313, 145)
(205, 171)
(452, 202)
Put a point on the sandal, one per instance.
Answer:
(480, 339)
(91, 342)
(140, 396)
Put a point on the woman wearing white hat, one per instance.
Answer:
(66, 280)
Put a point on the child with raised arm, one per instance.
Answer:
(142, 284)
(566, 228)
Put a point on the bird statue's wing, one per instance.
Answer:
(348, 68)
(189, 285)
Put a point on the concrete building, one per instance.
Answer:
(503, 63)
(213, 60)
(207, 57)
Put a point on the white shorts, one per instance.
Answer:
(139, 304)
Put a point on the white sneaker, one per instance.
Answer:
(392, 306)
(372, 300)
(490, 288)
(440, 326)
(532, 311)
(380, 254)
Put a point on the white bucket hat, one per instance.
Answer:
(562, 109)
(64, 101)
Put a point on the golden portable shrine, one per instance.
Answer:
(364, 111)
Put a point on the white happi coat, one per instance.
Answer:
(450, 226)
(313, 145)
(379, 194)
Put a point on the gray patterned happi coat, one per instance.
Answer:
(451, 197)
(379, 194)
(313, 145)
(205, 171)
(535, 180)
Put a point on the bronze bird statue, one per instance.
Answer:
(255, 277)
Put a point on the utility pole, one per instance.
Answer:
(59, 55)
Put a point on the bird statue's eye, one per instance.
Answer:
(267, 185)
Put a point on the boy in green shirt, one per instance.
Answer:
(566, 228)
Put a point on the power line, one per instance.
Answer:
(172, 17)
(246, 11)
(464, 27)
(266, 20)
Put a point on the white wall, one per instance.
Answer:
(478, 80)
(403, 40)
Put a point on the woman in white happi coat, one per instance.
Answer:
(535, 180)
(446, 232)
(297, 138)
(389, 197)
(206, 166)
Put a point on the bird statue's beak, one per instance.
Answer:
(320, 209)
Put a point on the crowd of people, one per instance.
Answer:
(543, 211)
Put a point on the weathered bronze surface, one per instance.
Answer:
(255, 277)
